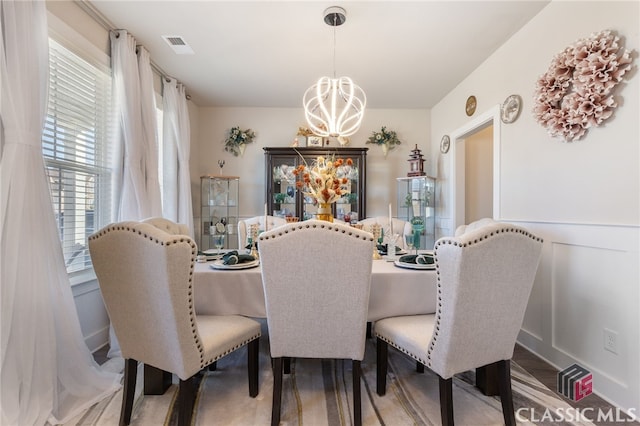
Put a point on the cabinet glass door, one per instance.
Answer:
(283, 195)
(347, 205)
(285, 200)
(416, 204)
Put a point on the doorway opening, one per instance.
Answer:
(475, 169)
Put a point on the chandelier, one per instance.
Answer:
(334, 106)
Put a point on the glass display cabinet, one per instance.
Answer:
(416, 204)
(283, 199)
(219, 210)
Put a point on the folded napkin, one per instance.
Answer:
(422, 259)
(382, 248)
(233, 258)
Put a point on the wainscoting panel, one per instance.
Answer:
(94, 321)
(588, 281)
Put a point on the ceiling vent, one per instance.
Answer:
(178, 45)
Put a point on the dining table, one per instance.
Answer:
(394, 291)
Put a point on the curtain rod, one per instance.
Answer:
(97, 16)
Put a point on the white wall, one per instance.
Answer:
(278, 127)
(581, 197)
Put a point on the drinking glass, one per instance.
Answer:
(218, 241)
(408, 242)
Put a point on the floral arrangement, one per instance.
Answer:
(304, 131)
(388, 139)
(322, 180)
(237, 139)
(576, 91)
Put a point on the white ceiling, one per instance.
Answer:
(404, 54)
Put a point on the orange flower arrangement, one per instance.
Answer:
(321, 181)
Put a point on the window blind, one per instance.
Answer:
(75, 146)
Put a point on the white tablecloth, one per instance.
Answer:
(394, 291)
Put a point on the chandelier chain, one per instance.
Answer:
(335, 24)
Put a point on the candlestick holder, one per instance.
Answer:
(376, 230)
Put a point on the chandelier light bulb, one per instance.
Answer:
(334, 106)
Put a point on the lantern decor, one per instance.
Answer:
(416, 163)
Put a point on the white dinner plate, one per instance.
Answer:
(414, 265)
(400, 252)
(218, 264)
(212, 254)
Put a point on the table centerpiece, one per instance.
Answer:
(322, 182)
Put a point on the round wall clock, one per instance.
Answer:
(470, 107)
(444, 144)
(510, 109)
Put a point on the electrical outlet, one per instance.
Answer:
(611, 341)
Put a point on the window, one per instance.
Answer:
(75, 148)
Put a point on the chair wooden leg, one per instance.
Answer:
(186, 399)
(277, 391)
(419, 367)
(446, 401)
(382, 350)
(506, 395)
(130, 374)
(252, 362)
(286, 365)
(357, 404)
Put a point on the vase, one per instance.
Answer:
(241, 148)
(385, 149)
(324, 212)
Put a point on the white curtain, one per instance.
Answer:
(177, 204)
(47, 372)
(150, 132)
(136, 164)
(134, 137)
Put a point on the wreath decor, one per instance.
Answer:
(576, 92)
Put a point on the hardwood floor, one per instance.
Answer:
(537, 367)
(548, 375)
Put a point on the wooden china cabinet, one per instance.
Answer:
(283, 199)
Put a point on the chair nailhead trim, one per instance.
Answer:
(417, 358)
(327, 226)
(228, 351)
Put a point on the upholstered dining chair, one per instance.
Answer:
(485, 277)
(323, 313)
(400, 227)
(146, 279)
(168, 226)
(244, 224)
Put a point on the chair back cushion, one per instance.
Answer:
(462, 229)
(316, 277)
(145, 276)
(244, 224)
(485, 277)
(168, 226)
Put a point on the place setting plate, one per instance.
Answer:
(213, 254)
(419, 266)
(219, 264)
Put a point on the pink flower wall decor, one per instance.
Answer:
(576, 92)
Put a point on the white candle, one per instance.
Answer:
(266, 226)
(390, 220)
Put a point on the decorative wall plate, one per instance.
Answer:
(470, 106)
(444, 144)
(510, 109)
